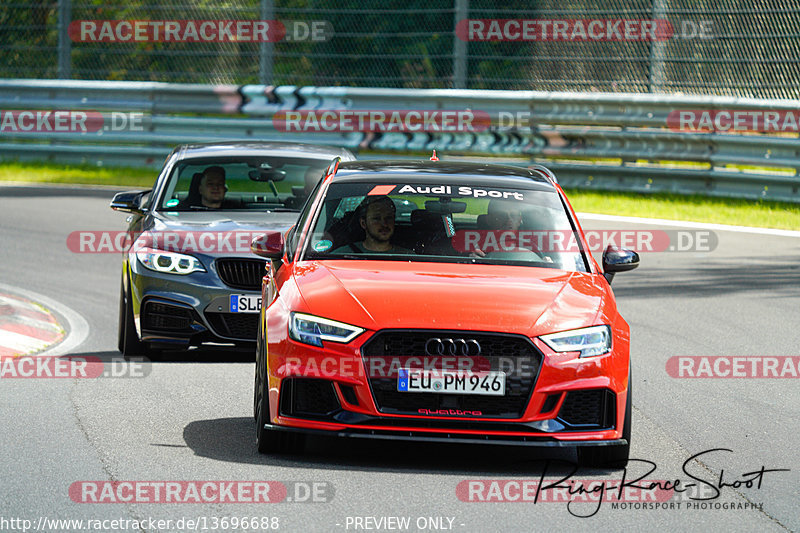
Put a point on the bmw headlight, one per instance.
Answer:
(592, 341)
(169, 262)
(313, 330)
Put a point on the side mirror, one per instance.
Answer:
(618, 260)
(269, 245)
(128, 202)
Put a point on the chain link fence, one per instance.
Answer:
(721, 47)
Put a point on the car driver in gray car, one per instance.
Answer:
(212, 187)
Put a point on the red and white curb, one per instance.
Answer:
(26, 327)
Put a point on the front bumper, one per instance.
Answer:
(563, 401)
(420, 436)
(181, 311)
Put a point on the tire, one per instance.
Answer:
(267, 440)
(611, 456)
(122, 319)
(128, 340)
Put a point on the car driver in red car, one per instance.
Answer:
(501, 215)
(376, 217)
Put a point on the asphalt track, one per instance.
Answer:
(190, 418)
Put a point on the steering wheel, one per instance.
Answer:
(518, 254)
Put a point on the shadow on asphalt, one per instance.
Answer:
(233, 439)
(714, 279)
(191, 356)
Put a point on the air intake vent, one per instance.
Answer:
(590, 409)
(242, 273)
(308, 397)
(158, 316)
(550, 403)
(236, 325)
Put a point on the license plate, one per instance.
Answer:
(245, 303)
(451, 382)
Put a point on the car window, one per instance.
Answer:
(445, 223)
(294, 234)
(251, 183)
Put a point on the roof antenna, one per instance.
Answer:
(433, 157)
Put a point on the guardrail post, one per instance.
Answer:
(266, 51)
(658, 50)
(64, 44)
(460, 47)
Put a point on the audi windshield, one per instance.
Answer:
(415, 220)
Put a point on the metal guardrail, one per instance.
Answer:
(591, 140)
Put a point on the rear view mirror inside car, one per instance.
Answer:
(445, 207)
(267, 174)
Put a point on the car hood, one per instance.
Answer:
(393, 294)
(222, 220)
(214, 233)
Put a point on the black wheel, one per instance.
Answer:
(269, 441)
(611, 456)
(122, 318)
(127, 339)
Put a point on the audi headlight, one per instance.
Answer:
(592, 341)
(169, 262)
(313, 330)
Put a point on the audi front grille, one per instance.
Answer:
(514, 354)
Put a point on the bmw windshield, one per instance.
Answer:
(242, 183)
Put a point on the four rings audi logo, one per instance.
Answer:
(440, 346)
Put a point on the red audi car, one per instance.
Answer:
(442, 301)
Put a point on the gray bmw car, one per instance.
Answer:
(188, 275)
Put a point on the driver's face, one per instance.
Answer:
(212, 188)
(509, 219)
(379, 221)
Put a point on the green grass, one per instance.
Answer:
(669, 206)
(694, 208)
(84, 174)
